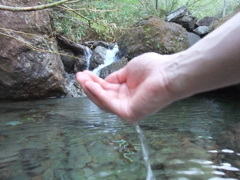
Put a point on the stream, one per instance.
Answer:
(72, 139)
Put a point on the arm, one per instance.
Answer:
(212, 63)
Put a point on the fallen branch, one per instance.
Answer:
(32, 8)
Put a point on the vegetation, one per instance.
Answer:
(105, 19)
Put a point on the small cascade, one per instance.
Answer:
(87, 54)
(71, 87)
(110, 57)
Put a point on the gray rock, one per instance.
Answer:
(113, 67)
(97, 57)
(193, 38)
(188, 22)
(201, 30)
(178, 14)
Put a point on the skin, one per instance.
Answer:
(151, 81)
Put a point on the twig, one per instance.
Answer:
(32, 8)
(36, 48)
(94, 10)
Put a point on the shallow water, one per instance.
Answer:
(72, 139)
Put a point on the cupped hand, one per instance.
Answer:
(133, 92)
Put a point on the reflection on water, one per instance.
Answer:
(72, 139)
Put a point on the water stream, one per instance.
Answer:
(109, 58)
(150, 175)
(72, 139)
(87, 54)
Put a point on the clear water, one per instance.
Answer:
(71, 139)
(150, 175)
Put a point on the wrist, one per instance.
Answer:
(181, 83)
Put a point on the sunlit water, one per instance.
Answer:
(72, 139)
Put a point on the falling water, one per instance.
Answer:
(109, 59)
(88, 54)
(150, 175)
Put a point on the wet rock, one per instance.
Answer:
(94, 44)
(72, 63)
(27, 72)
(98, 56)
(73, 87)
(193, 38)
(68, 60)
(73, 55)
(116, 65)
(201, 30)
(154, 35)
(80, 64)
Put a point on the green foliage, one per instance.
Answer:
(104, 19)
(203, 8)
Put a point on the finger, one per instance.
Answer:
(119, 76)
(95, 78)
(96, 100)
(82, 78)
(101, 96)
(104, 84)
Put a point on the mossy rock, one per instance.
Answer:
(153, 35)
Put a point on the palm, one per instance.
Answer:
(130, 92)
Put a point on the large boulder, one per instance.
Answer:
(154, 35)
(28, 66)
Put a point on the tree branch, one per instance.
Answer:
(32, 8)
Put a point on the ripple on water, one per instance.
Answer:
(73, 139)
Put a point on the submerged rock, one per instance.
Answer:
(28, 68)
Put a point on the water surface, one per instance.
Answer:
(72, 139)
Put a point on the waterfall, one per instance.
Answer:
(109, 58)
(87, 54)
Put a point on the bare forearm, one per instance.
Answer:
(212, 63)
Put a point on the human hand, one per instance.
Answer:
(133, 92)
